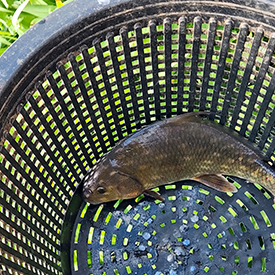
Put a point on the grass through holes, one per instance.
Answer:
(248, 244)
(243, 227)
(89, 258)
(251, 198)
(75, 261)
(101, 258)
(263, 267)
(250, 262)
(98, 212)
(254, 222)
(113, 257)
(266, 219)
(261, 242)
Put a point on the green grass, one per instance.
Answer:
(16, 17)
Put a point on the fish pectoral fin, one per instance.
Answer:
(154, 195)
(218, 182)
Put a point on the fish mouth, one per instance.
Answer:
(87, 197)
(86, 194)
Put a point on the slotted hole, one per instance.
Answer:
(272, 238)
(114, 237)
(98, 212)
(77, 231)
(242, 205)
(102, 237)
(119, 222)
(90, 236)
(89, 258)
(254, 222)
(108, 218)
(125, 256)
(212, 209)
(243, 227)
(128, 269)
(250, 262)
(231, 231)
(129, 228)
(113, 257)
(232, 212)
(75, 261)
(127, 209)
(101, 258)
(219, 200)
(263, 267)
(254, 201)
(261, 242)
(266, 219)
(237, 260)
(248, 244)
(125, 241)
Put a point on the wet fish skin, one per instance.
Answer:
(188, 146)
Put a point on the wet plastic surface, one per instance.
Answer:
(197, 230)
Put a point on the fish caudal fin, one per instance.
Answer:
(154, 195)
(218, 182)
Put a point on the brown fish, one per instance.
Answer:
(188, 146)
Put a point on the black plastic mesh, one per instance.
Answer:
(196, 231)
(157, 61)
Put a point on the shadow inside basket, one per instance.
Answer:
(195, 231)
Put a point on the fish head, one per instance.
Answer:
(105, 183)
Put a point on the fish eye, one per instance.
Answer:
(101, 190)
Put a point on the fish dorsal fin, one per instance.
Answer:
(204, 118)
(196, 117)
(218, 182)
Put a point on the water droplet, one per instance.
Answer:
(146, 236)
(179, 251)
(195, 218)
(164, 241)
(161, 205)
(192, 268)
(183, 228)
(174, 265)
(142, 247)
(177, 233)
(104, 2)
(186, 242)
(170, 258)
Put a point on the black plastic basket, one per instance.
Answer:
(90, 74)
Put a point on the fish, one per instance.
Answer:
(187, 146)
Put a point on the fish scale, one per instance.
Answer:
(188, 146)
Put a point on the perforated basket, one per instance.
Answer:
(90, 74)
